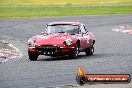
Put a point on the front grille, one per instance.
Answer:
(47, 48)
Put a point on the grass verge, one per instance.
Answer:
(42, 11)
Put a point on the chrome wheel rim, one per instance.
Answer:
(76, 51)
(92, 49)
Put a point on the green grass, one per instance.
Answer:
(42, 11)
(58, 2)
(42, 8)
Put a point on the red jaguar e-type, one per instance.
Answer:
(60, 39)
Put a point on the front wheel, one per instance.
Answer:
(74, 55)
(90, 50)
(32, 56)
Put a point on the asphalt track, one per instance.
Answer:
(113, 52)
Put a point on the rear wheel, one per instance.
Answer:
(74, 55)
(32, 56)
(90, 50)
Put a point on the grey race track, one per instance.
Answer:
(113, 52)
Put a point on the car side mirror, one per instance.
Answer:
(83, 34)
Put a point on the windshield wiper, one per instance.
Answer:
(72, 34)
(61, 32)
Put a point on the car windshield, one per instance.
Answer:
(62, 29)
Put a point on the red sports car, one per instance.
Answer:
(60, 39)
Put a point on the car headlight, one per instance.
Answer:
(31, 42)
(68, 42)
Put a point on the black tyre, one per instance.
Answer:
(32, 56)
(90, 50)
(74, 55)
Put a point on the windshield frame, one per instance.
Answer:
(65, 30)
